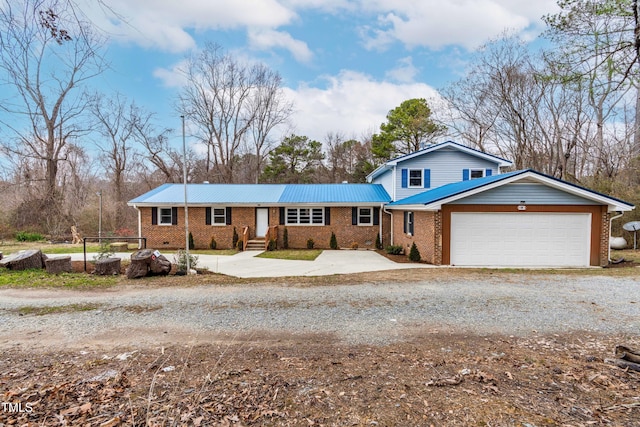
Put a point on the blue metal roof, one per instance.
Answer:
(334, 193)
(252, 194)
(449, 190)
(171, 194)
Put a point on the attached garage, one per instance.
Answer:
(520, 239)
(516, 219)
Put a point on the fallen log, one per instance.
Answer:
(626, 353)
(624, 364)
(24, 260)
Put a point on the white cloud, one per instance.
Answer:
(163, 23)
(172, 77)
(404, 72)
(265, 39)
(436, 24)
(351, 103)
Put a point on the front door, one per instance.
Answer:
(262, 221)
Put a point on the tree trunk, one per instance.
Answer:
(60, 264)
(24, 260)
(107, 267)
(148, 262)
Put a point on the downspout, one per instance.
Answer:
(609, 242)
(384, 209)
(139, 226)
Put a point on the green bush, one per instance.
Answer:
(234, 240)
(25, 236)
(333, 242)
(414, 253)
(394, 249)
(239, 245)
(272, 245)
(285, 239)
(378, 241)
(213, 244)
(180, 259)
(191, 243)
(310, 243)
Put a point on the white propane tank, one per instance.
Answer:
(617, 243)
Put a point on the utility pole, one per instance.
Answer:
(186, 207)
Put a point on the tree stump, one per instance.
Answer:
(148, 262)
(59, 264)
(23, 260)
(107, 267)
(119, 246)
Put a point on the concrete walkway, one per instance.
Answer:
(245, 264)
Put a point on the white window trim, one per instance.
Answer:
(160, 208)
(297, 223)
(370, 215)
(213, 217)
(421, 178)
(471, 171)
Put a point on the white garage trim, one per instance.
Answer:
(527, 239)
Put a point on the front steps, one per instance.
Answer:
(255, 245)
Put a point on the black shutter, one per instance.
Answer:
(327, 216)
(406, 214)
(174, 216)
(282, 217)
(354, 216)
(228, 215)
(411, 217)
(376, 216)
(154, 216)
(207, 216)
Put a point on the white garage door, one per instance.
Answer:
(520, 239)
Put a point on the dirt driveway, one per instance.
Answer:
(493, 350)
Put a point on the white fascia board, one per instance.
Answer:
(410, 208)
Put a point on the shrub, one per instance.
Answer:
(239, 245)
(394, 249)
(333, 242)
(285, 239)
(24, 236)
(234, 240)
(378, 241)
(213, 244)
(272, 245)
(310, 243)
(104, 252)
(354, 245)
(191, 243)
(414, 253)
(180, 259)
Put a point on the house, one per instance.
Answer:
(457, 205)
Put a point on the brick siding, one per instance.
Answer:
(173, 236)
(426, 234)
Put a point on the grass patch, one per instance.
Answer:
(292, 254)
(12, 246)
(213, 251)
(55, 309)
(40, 278)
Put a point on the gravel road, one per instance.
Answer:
(362, 313)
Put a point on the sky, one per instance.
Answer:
(344, 63)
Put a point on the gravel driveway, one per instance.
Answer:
(362, 313)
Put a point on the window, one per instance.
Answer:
(408, 223)
(365, 216)
(476, 173)
(166, 218)
(305, 216)
(219, 216)
(415, 178)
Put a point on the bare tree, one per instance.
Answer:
(225, 100)
(47, 52)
